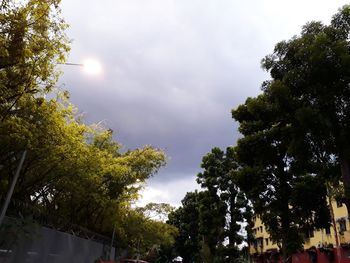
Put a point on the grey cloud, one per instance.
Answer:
(173, 69)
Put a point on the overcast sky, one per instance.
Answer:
(174, 69)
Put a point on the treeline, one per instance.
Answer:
(210, 221)
(294, 150)
(72, 171)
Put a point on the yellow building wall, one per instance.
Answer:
(341, 213)
(320, 237)
(264, 241)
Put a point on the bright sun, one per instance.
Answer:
(92, 66)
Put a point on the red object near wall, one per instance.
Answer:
(302, 257)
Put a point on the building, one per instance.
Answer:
(317, 238)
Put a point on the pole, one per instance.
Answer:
(72, 64)
(337, 247)
(110, 254)
(12, 187)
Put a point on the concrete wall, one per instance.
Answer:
(42, 245)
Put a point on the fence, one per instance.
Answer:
(24, 241)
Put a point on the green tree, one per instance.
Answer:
(159, 211)
(270, 176)
(314, 68)
(141, 236)
(222, 206)
(32, 42)
(73, 172)
(186, 219)
(210, 221)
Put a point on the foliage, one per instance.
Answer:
(295, 133)
(186, 219)
(209, 222)
(158, 211)
(271, 176)
(143, 236)
(72, 172)
(314, 69)
(222, 205)
(71, 169)
(32, 42)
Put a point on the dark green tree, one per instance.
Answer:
(314, 69)
(186, 219)
(270, 175)
(223, 205)
(209, 221)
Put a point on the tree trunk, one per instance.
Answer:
(345, 171)
(284, 252)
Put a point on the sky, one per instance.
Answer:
(172, 71)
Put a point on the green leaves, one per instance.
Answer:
(32, 42)
(209, 218)
(296, 132)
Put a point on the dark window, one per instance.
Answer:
(311, 233)
(328, 231)
(261, 229)
(342, 225)
(339, 203)
(267, 241)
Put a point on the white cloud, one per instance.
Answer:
(171, 192)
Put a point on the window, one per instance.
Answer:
(261, 229)
(267, 241)
(342, 225)
(339, 203)
(312, 233)
(309, 233)
(328, 231)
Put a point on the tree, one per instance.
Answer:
(270, 176)
(210, 221)
(222, 204)
(142, 236)
(314, 68)
(186, 219)
(72, 171)
(159, 211)
(74, 175)
(32, 42)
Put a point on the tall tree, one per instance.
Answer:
(269, 174)
(186, 219)
(226, 202)
(72, 171)
(315, 69)
(73, 174)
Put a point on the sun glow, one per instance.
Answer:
(92, 66)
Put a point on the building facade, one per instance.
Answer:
(318, 238)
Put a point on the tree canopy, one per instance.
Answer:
(314, 70)
(210, 221)
(73, 173)
(295, 132)
(271, 176)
